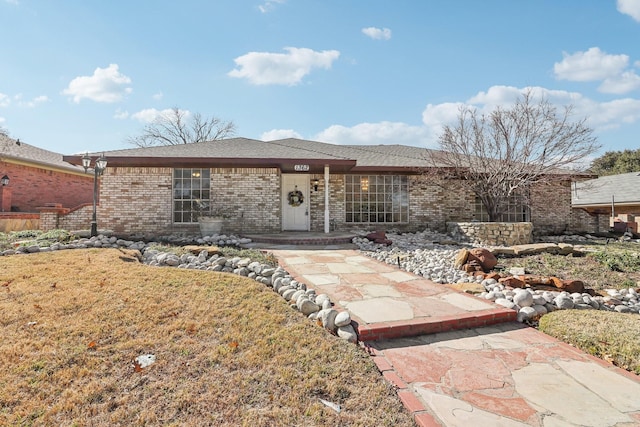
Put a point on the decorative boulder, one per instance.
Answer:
(379, 237)
(570, 286)
(512, 282)
(483, 257)
(461, 258)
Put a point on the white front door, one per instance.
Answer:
(295, 202)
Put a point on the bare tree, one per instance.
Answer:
(503, 153)
(178, 126)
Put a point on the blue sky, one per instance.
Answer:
(79, 75)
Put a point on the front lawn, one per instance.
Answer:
(228, 351)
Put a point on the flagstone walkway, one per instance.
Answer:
(460, 361)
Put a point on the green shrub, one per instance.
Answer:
(56, 236)
(25, 234)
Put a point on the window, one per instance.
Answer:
(191, 192)
(517, 210)
(377, 198)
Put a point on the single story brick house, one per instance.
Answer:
(299, 185)
(36, 178)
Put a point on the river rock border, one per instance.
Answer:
(432, 255)
(316, 307)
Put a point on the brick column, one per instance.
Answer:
(5, 199)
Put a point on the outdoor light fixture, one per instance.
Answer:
(364, 184)
(4, 180)
(315, 183)
(98, 168)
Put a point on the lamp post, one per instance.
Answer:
(98, 168)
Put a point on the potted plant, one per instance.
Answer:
(210, 217)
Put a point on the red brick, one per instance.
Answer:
(424, 419)
(382, 364)
(411, 401)
(394, 379)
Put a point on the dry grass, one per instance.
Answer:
(616, 265)
(614, 337)
(229, 351)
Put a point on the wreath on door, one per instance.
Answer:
(295, 197)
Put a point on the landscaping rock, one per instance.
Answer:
(483, 257)
(461, 258)
(526, 313)
(348, 333)
(523, 298)
(512, 282)
(342, 319)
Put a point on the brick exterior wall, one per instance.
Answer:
(251, 196)
(433, 202)
(138, 201)
(33, 187)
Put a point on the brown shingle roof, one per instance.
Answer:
(11, 149)
(250, 152)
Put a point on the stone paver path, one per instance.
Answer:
(460, 361)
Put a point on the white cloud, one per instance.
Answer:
(275, 134)
(121, 114)
(624, 83)
(264, 68)
(630, 7)
(158, 96)
(105, 85)
(34, 102)
(589, 66)
(269, 5)
(612, 114)
(5, 100)
(377, 133)
(148, 115)
(377, 33)
(600, 116)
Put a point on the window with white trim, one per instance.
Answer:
(376, 198)
(191, 193)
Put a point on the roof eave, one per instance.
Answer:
(285, 164)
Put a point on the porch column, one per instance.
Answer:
(327, 225)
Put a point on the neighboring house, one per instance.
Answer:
(608, 196)
(298, 185)
(38, 177)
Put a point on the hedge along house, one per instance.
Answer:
(37, 178)
(295, 185)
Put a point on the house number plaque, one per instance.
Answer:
(301, 168)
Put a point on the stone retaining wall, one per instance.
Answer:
(492, 233)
